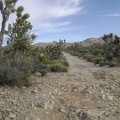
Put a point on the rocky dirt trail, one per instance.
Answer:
(86, 92)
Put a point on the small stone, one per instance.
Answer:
(41, 105)
(62, 110)
(78, 110)
(89, 92)
(102, 91)
(32, 105)
(7, 118)
(34, 91)
(12, 116)
(72, 116)
(27, 118)
(65, 89)
(110, 97)
(62, 88)
(2, 103)
(107, 114)
(112, 87)
(38, 118)
(0, 116)
(16, 88)
(85, 116)
(103, 97)
(8, 110)
(2, 93)
(82, 115)
(75, 90)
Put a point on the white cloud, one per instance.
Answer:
(49, 27)
(52, 24)
(43, 13)
(111, 15)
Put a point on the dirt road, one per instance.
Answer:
(102, 84)
(86, 92)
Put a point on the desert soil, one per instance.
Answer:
(86, 92)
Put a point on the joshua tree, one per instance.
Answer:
(55, 51)
(111, 46)
(6, 9)
(19, 39)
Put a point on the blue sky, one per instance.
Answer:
(73, 20)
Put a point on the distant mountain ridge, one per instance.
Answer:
(87, 42)
(44, 44)
(91, 41)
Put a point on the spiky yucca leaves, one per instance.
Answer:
(112, 46)
(19, 40)
(55, 51)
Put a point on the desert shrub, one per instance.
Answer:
(58, 67)
(102, 63)
(107, 62)
(112, 63)
(115, 60)
(98, 59)
(39, 67)
(43, 58)
(89, 57)
(72, 53)
(80, 55)
(118, 61)
(42, 68)
(109, 51)
(24, 64)
(64, 61)
(54, 51)
(14, 74)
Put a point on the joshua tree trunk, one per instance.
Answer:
(1, 51)
(2, 32)
(5, 11)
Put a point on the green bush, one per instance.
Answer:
(57, 67)
(80, 55)
(63, 61)
(43, 58)
(39, 67)
(102, 63)
(89, 57)
(112, 63)
(13, 75)
(98, 59)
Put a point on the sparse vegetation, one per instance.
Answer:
(24, 65)
(57, 61)
(107, 53)
(14, 72)
(58, 67)
(19, 59)
(101, 74)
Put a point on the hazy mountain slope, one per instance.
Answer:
(86, 42)
(91, 41)
(43, 44)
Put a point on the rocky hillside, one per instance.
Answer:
(44, 44)
(91, 41)
(86, 42)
